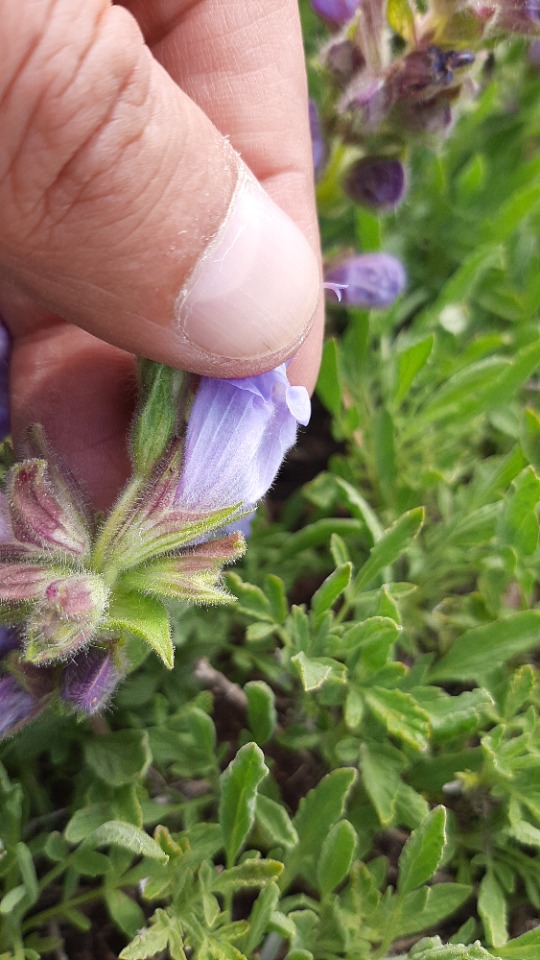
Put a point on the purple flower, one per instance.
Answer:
(238, 433)
(17, 706)
(9, 640)
(336, 11)
(377, 182)
(4, 381)
(317, 139)
(368, 279)
(89, 681)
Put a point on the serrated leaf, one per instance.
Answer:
(116, 833)
(400, 715)
(119, 758)
(274, 820)
(147, 944)
(442, 900)
(251, 599)
(337, 854)
(492, 909)
(239, 785)
(324, 804)
(249, 873)
(477, 652)
(422, 852)
(143, 617)
(381, 777)
(329, 591)
(390, 546)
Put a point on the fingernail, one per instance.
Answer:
(254, 292)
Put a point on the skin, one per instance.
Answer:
(102, 108)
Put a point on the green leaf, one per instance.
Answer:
(325, 804)
(116, 833)
(261, 710)
(525, 947)
(400, 715)
(147, 944)
(13, 899)
(124, 911)
(492, 909)
(361, 509)
(409, 363)
(249, 873)
(400, 19)
(530, 436)
(328, 385)
(422, 852)
(27, 870)
(251, 599)
(330, 590)
(442, 900)
(381, 767)
(260, 917)
(90, 863)
(453, 716)
(155, 422)
(518, 525)
(120, 757)
(336, 856)
(390, 546)
(315, 671)
(477, 652)
(239, 785)
(144, 617)
(85, 820)
(275, 822)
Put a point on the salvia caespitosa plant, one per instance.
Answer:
(396, 70)
(75, 588)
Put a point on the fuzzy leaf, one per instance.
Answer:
(144, 617)
(422, 852)
(261, 710)
(120, 757)
(390, 546)
(492, 909)
(400, 714)
(116, 833)
(275, 822)
(249, 873)
(477, 652)
(336, 856)
(329, 591)
(239, 784)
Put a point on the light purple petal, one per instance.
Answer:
(238, 433)
(89, 681)
(370, 279)
(16, 706)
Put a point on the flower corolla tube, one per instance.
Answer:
(238, 434)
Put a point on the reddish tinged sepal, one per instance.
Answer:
(66, 619)
(23, 582)
(40, 513)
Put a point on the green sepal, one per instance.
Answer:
(155, 422)
(143, 617)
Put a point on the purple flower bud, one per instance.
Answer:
(21, 582)
(336, 11)
(9, 640)
(89, 681)
(431, 116)
(4, 381)
(342, 59)
(371, 280)
(41, 513)
(317, 140)
(377, 182)
(238, 433)
(66, 619)
(518, 16)
(366, 104)
(17, 706)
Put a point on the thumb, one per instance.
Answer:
(124, 210)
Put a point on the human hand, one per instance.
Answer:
(131, 226)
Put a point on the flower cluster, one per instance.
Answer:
(74, 590)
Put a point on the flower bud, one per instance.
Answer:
(342, 59)
(191, 576)
(66, 619)
(365, 105)
(17, 707)
(336, 11)
(317, 140)
(376, 182)
(89, 680)
(40, 514)
(22, 582)
(369, 280)
(518, 16)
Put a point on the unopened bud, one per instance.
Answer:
(342, 59)
(376, 182)
(317, 140)
(66, 619)
(336, 11)
(90, 680)
(39, 514)
(365, 105)
(369, 280)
